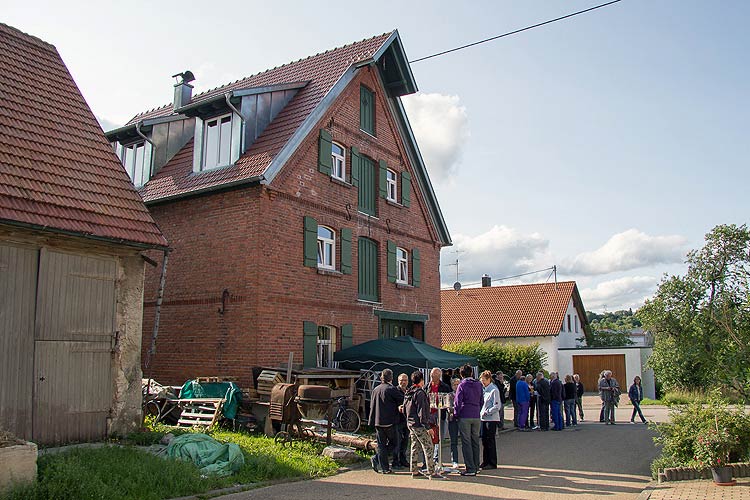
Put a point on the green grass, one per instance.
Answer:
(128, 473)
(651, 402)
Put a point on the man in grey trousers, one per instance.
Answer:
(468, 402)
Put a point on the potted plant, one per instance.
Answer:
(712, 449)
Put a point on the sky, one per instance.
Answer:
(606, 144)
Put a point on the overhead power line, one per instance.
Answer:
(551, 268)
(515, 31)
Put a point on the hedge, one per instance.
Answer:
(507, 358)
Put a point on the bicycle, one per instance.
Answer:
(346, 419)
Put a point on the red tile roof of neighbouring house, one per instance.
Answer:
(321, 71)
(506, 311)
(57, 170)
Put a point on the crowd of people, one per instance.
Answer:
(402, 413)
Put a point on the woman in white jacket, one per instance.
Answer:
(490, 417)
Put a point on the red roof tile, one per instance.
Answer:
(505, 311)
(321, 70)
(57, 169)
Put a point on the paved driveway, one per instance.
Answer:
(587, 462)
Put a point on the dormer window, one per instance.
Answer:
(338, 162)
(136, 158)
(217, 142)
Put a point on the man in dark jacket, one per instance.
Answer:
(499, 380)
(384, 416)
(418, 419)
(512, 395)
(556, 399)
(402, 431)
(579, 395)
(543, 390)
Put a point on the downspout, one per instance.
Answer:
(227, 96)
(138, 131)
(157, 313)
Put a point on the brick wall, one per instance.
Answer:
(250, 241)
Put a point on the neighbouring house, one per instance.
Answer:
(550, 314)
(72, 233)
(299, 210)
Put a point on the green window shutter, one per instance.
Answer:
(405, 188)
(383, 179)
(416, 271)
(391, 246)
(325, 161)
(355, 166)
(347, 332)
(311, 242)
(366, 110)
(346, 251)
(309, 344)
(367, 190)
(367, 269)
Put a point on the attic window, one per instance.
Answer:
(136, 158)
(217, 142)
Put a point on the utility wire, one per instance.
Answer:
(514, 32)
(515, 276)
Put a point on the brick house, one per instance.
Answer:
(299, 210)
(72, 236)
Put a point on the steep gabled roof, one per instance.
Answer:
(507, 311)
(326, 75)
(57, 170)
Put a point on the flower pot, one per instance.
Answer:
(722, 475)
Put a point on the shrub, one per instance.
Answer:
(507, 358)
(712, 447)
(678, 438)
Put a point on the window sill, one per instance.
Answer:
(368, 133)
(368, 215)
(369, 302)
(329, 272)
(394, 203)
(404, 286)
(336, 180)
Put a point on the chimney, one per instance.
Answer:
(183, 91)
(486, 280)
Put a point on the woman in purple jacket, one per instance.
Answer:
(469, 399)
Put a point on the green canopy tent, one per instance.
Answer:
(400, 354)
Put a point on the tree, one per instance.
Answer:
(701, 321)
(610, 329)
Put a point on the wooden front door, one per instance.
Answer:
(589, 366)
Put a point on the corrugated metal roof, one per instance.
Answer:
(57, 169)
(505, 311)
(321, 70)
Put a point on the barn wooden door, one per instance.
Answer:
(18, 271)
(589, 366)
(74, 334)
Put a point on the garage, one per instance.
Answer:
(589, 367)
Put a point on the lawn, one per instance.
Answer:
(129, 473)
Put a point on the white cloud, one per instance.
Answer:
(441, 127)
(631, 249)
(107, 125)
(620, 293)
(501, 251)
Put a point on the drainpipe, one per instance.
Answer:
(138, 131)
(157, 312)
(232, 107)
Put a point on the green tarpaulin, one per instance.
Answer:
(211, 456)
(401, 354)
(227, 390)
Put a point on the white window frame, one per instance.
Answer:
(326, 346)
(402, 265)
(338, 162)
(391, 185)
(201, 138)
(141, 176)
(322, 243)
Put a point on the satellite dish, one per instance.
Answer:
(456, 286)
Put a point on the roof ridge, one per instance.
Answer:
(31, 38)
(264, 71)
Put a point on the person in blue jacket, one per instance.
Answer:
(523, 397)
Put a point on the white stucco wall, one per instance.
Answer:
(567, 337)
(635, 361)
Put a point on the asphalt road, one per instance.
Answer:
(586, 462)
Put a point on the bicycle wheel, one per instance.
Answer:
(349, 421)
(151, 408)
